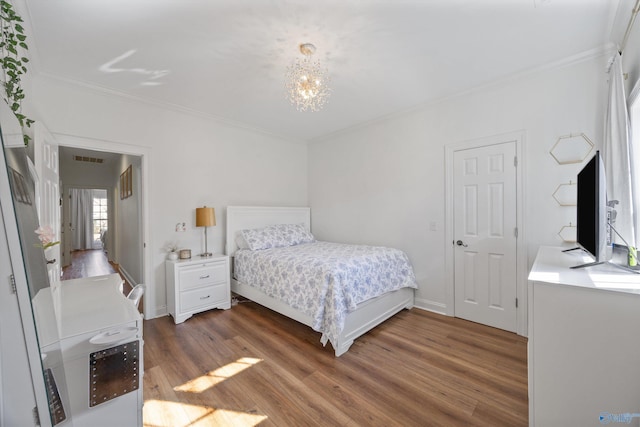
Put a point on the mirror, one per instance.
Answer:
(22, 181)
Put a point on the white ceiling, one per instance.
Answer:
(227, 58)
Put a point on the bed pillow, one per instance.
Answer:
(263, 238)
(240, 242)
(273, 236)
(295, 234)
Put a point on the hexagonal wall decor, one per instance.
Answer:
(572, 148)
(568, 233)
(566, 194)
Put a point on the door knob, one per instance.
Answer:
(461, 243)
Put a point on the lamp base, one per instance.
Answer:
(206, 254)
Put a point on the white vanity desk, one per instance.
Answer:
(97, 333)
(584, 342)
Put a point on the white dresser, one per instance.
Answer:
(197, 285)
(584, 342)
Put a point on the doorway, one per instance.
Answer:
(102, 230)
(485, 260)
(139, 158)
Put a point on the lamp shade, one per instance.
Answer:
(205, 217)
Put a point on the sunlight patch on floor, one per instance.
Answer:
(210, 379)
(162, 413)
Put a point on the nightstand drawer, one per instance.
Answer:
(201, 297)
(202, 275)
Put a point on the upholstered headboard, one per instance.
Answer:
(243, 217)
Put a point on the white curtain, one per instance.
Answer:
(634, 117)
(617, 156)
(81, 219)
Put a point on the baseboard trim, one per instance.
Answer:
(435, 307)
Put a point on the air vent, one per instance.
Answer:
(88, 159)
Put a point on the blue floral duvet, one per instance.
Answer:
(325, 280)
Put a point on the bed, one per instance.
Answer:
(340, 316)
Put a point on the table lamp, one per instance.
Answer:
(205, 217)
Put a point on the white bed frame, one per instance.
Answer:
(364, 318)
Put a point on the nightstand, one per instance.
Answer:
(197, 285)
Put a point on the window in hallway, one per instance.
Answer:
(99, 217)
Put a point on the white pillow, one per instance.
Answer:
(240, 242)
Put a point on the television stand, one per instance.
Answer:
(590, 264)
(583, 347)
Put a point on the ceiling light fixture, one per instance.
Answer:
(307, 82)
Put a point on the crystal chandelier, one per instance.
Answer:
(306, 82)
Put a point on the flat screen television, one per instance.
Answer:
(592, 222)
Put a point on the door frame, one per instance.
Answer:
(150, 310)
(521, 258)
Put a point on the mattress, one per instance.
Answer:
(325, 280)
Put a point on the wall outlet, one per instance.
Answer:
(433, 226)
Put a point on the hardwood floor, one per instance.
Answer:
(91, 263)
(87, 263)
(248, 365)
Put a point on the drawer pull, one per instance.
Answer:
(205, 277)
(205, 297)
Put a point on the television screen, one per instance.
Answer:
(592, 209)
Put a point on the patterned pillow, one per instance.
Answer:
(274, 236)
(295, 234)
(263, 238)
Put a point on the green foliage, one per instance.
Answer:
(13, 61)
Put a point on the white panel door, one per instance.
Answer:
(485, 235)
(47, 164)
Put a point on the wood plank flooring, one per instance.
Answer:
(89, 263)
(248, 366)
(94, 262)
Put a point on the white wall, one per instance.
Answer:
(192, 161)
(128, 234)
(384, 183)
(84, 174)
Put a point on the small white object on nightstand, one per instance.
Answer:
(197, 285)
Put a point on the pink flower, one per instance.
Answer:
(46, 236)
